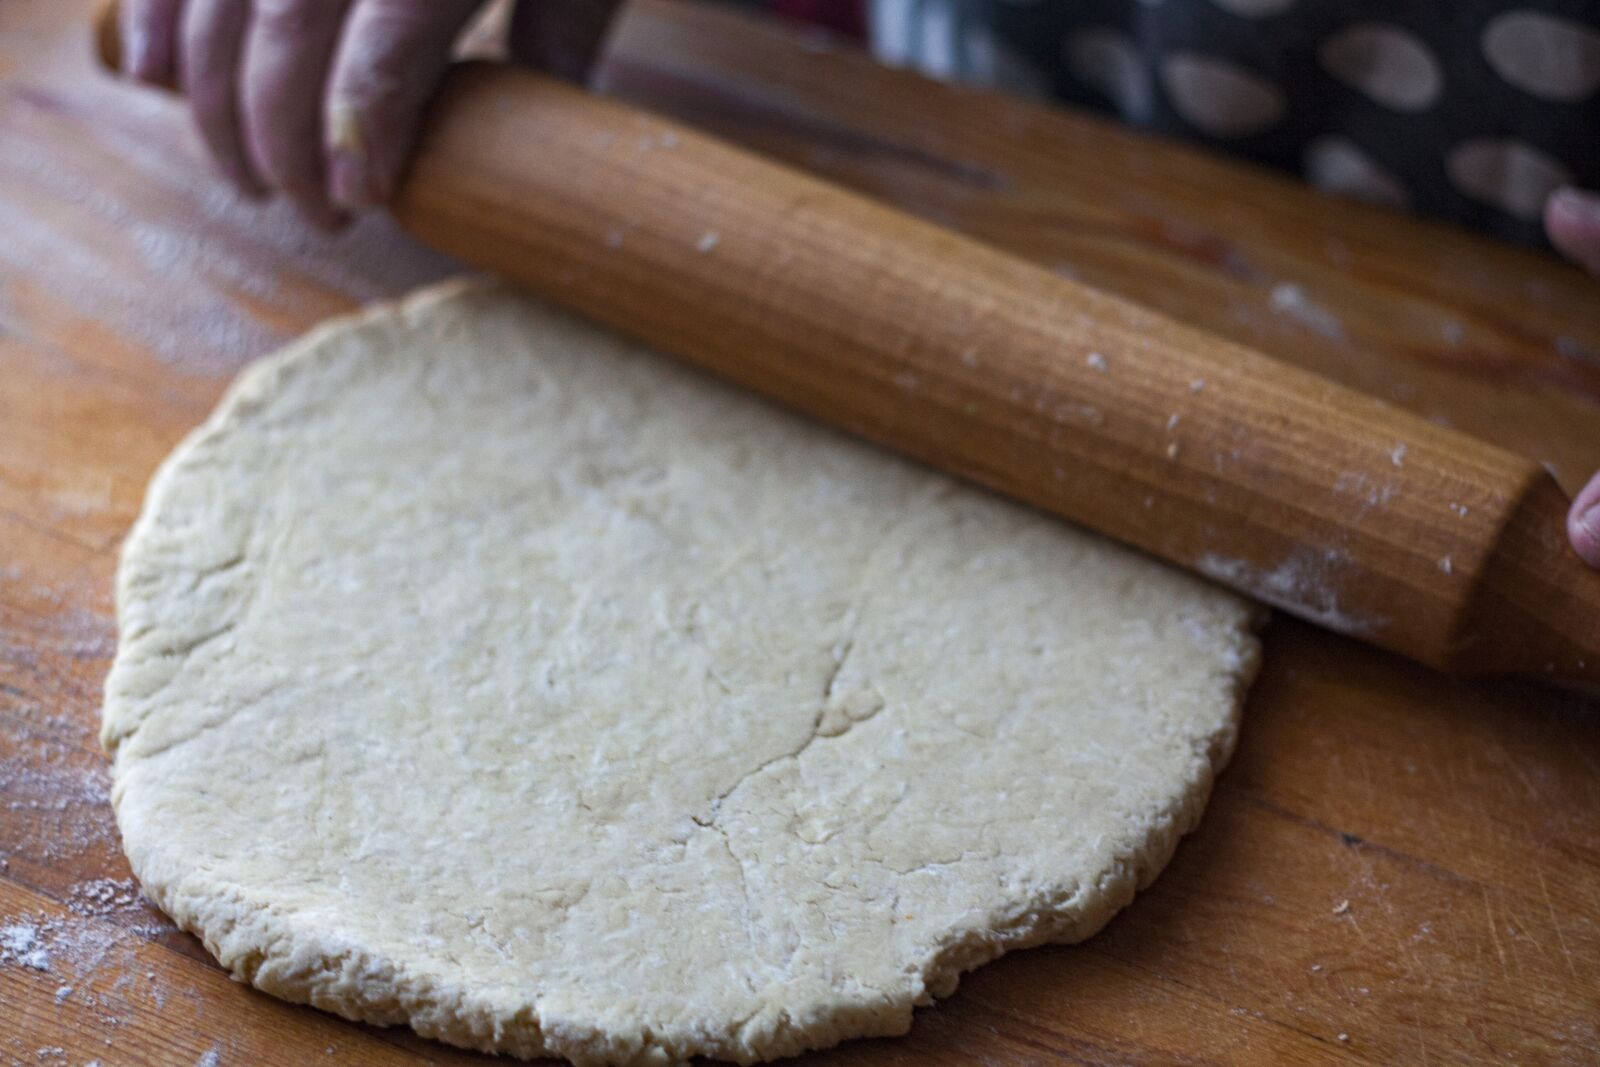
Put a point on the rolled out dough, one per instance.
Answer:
(484, 672)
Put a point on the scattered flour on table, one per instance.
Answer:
(54, 802)
(101, 897)
(20, 943)
(94, 961)
(46, 944)
(222, 250)
(54, 781)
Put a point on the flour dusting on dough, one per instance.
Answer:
(484, 672)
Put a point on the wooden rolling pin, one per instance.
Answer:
(1317, 499)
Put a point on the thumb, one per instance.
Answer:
(563, 37)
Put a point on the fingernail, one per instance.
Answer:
(351, 182)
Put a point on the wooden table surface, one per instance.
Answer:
(1396, 868)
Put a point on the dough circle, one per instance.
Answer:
(485, 672)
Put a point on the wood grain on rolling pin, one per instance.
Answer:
(1395, 868)
(1313, 497)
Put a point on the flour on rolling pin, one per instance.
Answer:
(1300, 584)
(1008, 374)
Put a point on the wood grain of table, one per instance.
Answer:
(1396, 868)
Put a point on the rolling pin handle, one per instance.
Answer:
(1536, 610)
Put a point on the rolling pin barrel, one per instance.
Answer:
(1317, 499)
(1320, 500)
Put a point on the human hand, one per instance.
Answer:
(1572, 220)
(321, 100)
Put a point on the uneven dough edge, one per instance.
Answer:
(350, 981)
(278, 952)
(243, 394)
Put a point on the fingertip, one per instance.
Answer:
(1583, 523)
(1574, 204)
(233, 168)
(324, 217)
(141, 60)
(1572, 222)
(148, 31)
(135, 48)
(344, 181)
(308, 197)
(1584, 533)
(352, 184)
(244, 182)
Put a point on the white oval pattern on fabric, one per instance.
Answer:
(1338, 165)
(1254, 9)
(1108, 61)
(1553, 58)
(1386, 63)
(1219, 97)
(1506, 173)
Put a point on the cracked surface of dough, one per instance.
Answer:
(485, 672)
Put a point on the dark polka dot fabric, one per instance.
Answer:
(1472, 110)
